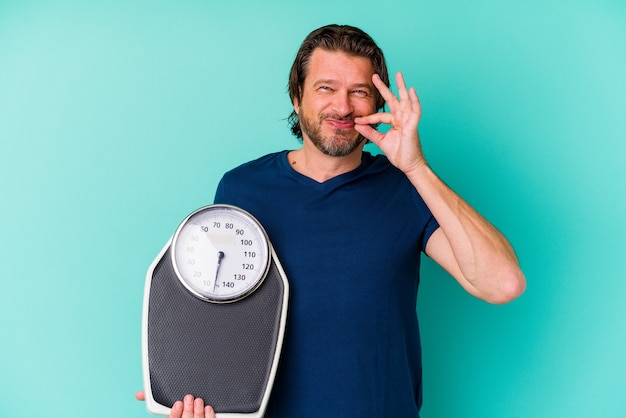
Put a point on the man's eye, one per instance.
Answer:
(325, 88)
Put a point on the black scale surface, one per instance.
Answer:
(220, 352)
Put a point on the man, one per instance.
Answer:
(349, 228)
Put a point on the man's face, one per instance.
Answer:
(338, 87)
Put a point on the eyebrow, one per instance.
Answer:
(324, 81)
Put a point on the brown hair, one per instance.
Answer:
(342, 38)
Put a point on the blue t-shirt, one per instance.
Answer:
(350, 247)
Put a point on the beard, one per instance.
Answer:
(340, 143)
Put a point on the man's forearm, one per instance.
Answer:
(485, 261)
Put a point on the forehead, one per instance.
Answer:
(338, 66)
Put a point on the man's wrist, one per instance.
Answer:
(419, 171)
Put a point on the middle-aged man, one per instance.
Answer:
(349, 228)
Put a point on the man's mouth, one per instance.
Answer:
(343, 124)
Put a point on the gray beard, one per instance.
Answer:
(337, 145)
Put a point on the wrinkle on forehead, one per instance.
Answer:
(339, 68)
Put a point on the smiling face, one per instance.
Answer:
(338, 87)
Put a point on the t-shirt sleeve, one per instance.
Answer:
(220, 192)
(428, 222)
(431, 226)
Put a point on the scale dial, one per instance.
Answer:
(220, 253)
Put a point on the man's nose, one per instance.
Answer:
(342, 103)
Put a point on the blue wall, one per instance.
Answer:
(118, 118)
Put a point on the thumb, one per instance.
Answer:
(140, 395)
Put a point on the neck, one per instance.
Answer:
(311, 162)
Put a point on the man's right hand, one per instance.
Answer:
(187, 408)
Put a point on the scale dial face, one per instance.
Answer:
(220, 253)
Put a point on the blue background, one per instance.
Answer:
(118, 118)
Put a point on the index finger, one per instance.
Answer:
(384, 91)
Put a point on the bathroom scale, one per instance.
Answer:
(214, 314)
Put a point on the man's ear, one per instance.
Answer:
(296, 102)
(296, 106)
